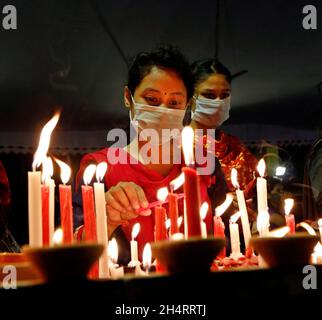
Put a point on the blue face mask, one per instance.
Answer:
(211, 112)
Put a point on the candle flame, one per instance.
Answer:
(234, 179)
(288, 205)
(65, 171)
(177, 182)
(280, 232)
(89, 173)
(203, 210)
(44, 141)
(177, 236)
(100, 171)
(308, 228)
(47, 170)
(187, 145)
(235, 217)
(147, 256)
(162, 194)
(317, 253)
(168, 224)
(320, 223)
(179, 222)
(262, 220)
(58, 236)
(261, 167)
(224, 206)
(135, 230)
(113, 250)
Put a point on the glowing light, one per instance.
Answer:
(100, 171)
(261, 167)
(89, 173)
(187, 145)
(204, 210)
(233, 177)
(288, 205)
(58, 236)
(280, 233)
(147, 256)
(162, 194)
(235, 217)
(113, 250)
(225, 205)
(47, 170)
(135, 230)
(280, 171)
(177, 182)
(65, 172)
(44, 142)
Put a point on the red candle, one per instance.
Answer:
(173, 212)
(160, 228)
(192, 198)
(65, 199)
(289, 218)
(45, 214)
(66, 213)
(290, 222)
(89, 213)
(191, 186)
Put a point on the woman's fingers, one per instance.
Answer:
(113, 203)
(120, 195)
(130, 190)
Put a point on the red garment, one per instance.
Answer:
(231, 153)
(4, 187)
(149, 180)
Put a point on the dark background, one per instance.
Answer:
(73, 55)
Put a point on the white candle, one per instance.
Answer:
(261, 185)
(263, 223)
(234, 236)
(101, 219)
(34, 209)
(134, 245)
(242, 207)
(34, 184)
(203, 214)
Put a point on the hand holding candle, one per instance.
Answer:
(289, 218)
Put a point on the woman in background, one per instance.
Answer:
(210, 109)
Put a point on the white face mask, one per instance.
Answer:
(153, 118)
(211, 112)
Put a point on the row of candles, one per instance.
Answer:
(41, 205)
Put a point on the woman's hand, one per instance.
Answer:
(122, 200)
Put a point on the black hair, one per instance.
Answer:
(202, 69)
(168, 57)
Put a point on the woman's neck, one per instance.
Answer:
(157, 158)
